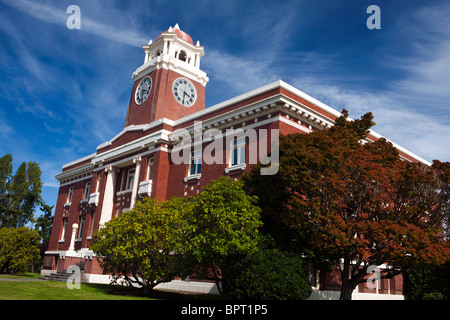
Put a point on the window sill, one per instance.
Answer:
(66, 205)
(236, 167)
(123, 192)
(93, 198)
(193, 177)
(145, 188)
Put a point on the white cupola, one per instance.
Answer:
(173, 49)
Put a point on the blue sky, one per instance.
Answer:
(63, 92)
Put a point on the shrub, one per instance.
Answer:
(433, 296)
(267, 274)
(18, 249)
(430, 283)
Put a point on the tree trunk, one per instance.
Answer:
(216, 277)
(346, 290)
(348, 284)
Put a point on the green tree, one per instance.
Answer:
(160, 240)
(354, 205)
(145, 246)
(267, 274)
(6, 169)
(224, 222)
(426, 282)
(20, 194)
(44, 223)
(19, 248)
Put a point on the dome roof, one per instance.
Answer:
(181, 34)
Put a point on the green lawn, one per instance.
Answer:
(51, 290)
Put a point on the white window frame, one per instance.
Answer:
(87, 190)
(195, 162)
(63, 233)
(131, 174)
(99, 180)
(149, 169)
(91, 231)
(70, 195)
(239, 146)
(81, 228)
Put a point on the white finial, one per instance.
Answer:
(150, 42)
(198, 43)
(177, 26)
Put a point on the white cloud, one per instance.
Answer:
(240, 73)
(427, 33)
(412, 110)
(59, 16)
(395, 109)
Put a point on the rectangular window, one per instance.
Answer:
(48, 262)
(130, 179)
(122, 180)
(150, 169)
(237, 155)
(87, 190)
(196, 163)
(99, 179)
(70, 195)
(64, 226)
(92, 224)
(81, 227)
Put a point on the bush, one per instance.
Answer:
(430, 283)
(267, 274)
(433, 296)
(18, 249)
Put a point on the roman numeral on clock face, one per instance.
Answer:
(184, 92)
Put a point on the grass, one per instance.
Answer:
(51, 290)
(26, 275)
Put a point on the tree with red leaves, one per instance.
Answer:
(353, 203)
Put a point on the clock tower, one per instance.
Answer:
(170, 83)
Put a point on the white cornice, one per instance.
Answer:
(308, 98)
(261, 90)
(167, 60)
(138, 144)
(235, 117)
(78, 161)
(170, 64)
(77, 172)
(140, 127)
(398, 147)
(227, 103)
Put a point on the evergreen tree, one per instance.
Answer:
(20, 194)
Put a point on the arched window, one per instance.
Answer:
(182, 55)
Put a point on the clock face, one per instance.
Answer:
(143, 90)
(184, 92)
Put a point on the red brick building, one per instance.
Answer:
(168, 95)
